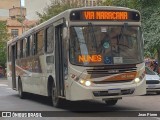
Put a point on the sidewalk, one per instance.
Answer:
(3, 81)
(3, 78)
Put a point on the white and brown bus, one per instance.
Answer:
(81, 54)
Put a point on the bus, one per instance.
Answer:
(88, 53)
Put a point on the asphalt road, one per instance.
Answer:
(10, 101)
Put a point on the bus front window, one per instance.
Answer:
(105, 45)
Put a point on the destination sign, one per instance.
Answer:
(90, 58)
(104, 15)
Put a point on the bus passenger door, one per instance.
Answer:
(13, 53)
(59, 58)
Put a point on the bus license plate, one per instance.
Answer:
(151, 86)
(114, 91)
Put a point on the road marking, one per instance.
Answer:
(157, 118)
(9, 88)
(3, 85)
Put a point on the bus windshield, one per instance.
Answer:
(105, 45)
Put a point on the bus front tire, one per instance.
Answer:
(111, 102)
(56, 101)
(22, 94)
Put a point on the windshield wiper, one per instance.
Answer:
(93, 35)
(121, 35)
(125, 25)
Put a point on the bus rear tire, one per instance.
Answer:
(22, 94)
(158, 92)
(56, 101)
(111, 102)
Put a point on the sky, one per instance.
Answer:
(23, 2)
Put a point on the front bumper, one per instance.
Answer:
(80, 92)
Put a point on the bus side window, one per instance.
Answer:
(24, 47)
(9, 53)
(16, 51)
(49, 43)
(34, 45)
(31, 45)
(27, 46)
(21, 48)
(39, 40)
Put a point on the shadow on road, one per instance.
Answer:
(151, 94)
(79, 106)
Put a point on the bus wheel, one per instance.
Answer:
(111, 102)
(20, 89)
(55, 99)
(158, 92)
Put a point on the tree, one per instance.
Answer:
(151, 18)
(122, 3)
(54, 9)
(150, 12)
(3, 40)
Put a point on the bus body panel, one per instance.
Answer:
(80, 92)
(37, 81)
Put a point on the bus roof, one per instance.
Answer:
(66, 15)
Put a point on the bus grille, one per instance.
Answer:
(110, 82)
(110, 70)
(105, 93)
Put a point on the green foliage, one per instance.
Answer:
(54, 9)
(3, 39)
(151, 27)
(122, 3)
(3, 55)
(20, 19)
(3, 32)
(150, 11)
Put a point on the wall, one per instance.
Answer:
(7, 4)
(34, 6)
(19, 29)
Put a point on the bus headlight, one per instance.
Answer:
(87, 83)
(137, 80)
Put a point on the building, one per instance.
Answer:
(5, 5)
(14, 26)
(11, 12)
(17, 22)
(4, 14)
(34, 6)
(84, 2)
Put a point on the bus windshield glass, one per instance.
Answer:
(105, 45)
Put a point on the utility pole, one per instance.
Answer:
(21, 16)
